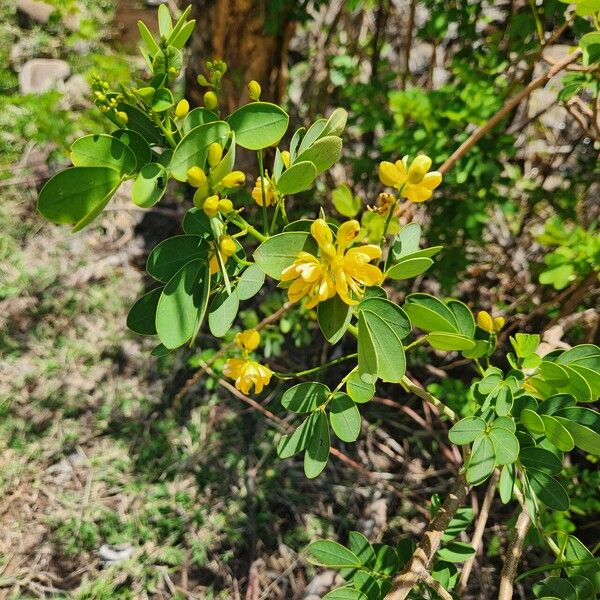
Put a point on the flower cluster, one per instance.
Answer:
(337, 270)
(247, 373)
(414, 182)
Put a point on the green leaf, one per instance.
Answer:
(381, 327)
(466, 430)
(223, 311)
(137, 144)
(142, 315)
(548, 490)
(327, 553)
(430, 314)
(258, 125)
(557, 434)
(459, 523)
(504, 401)
(507, 483)
(482, 460)
(226, 164)
(456, 552)
(386, 559)
(361, 547)
(441, 340)
(463, 316)
(407, 240)
(78, 194)
(367, 584)
(295, 442)
(336, 123)
(585, 355)
(192, 150)
(165, 25)
(584, 426)
(533, 457)
(100, 150)
(505, 423)
(311, 136)
(196, 222)
(555, 587)
(182, 304)
(360, 391)
(408, 267)
(281, 250)
(576, 551)
(297, 178)
(324, 153)
(150, 185)
(532, 421)
(334, 317)
(250, 282)
(179, 40)
(172, 254)
(345, 593)
(138, 121)
(197, 117)
(506, 446)
(345, 202)
(559, 277)
(345, 418)
(317, 450)
(305, 397)
(147, 38)
(556, 403)
(162, 100)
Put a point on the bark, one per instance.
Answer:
(235, 31)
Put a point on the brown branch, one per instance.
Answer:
(479, 530)
(513, 555)
(416, 570)
(507, 108)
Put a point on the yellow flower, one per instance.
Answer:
(498, 323)
(225, 205)
(415, 182)
(211, 206)
(182, 108)
(215, 152)
(285, 157)
(213, 261)
(337, 271)
(257, 192)
(247, 373)
(485, 321)
(196, 176)
(227, 246)
(233, 179)
(248, 340)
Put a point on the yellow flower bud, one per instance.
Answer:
(498, 323)
(182, 108)
(321, 232)
(285, 157)
(254, 90)
(122, 117)
(419, 168)
(485, 321)
(227, 245)
(211, 206)
(215, 152)
(248, 340)
(257, 192)
(210, 100)
(225, 206)
(347, 232)
(233, 179)
(196, 176)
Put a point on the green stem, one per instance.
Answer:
(389, 218)
(479, 367)
(261, 169)
(409, 386)
(243, 224)
(214, 225)
(274, 219)
(331, 363)
(353, 329)
(415, 343)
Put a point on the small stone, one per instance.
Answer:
(30, 12)
(77, 92)
(111, 555)
(420, 58)
(42, 74)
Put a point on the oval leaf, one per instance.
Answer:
(150, 185)
(305, 397)
(345, 418)
(258, 125)
(297, 178)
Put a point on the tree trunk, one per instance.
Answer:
(235, 31)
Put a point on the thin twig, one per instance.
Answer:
(479, 530)
(507, 108)
(513, 555)
(437, 587)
